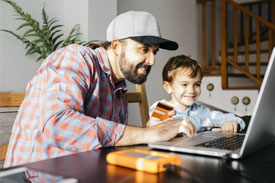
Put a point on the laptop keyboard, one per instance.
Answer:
(228, 143)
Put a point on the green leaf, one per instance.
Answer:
(29, 33)
(56, 38)
(55, 27)
(45, 38)
(24, 25)
(37, 41)
(58, 44)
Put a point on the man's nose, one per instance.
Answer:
(150, 59)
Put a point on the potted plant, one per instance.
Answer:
(41, 39)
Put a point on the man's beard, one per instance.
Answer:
(130, 71)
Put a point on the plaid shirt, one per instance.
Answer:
(71, 105)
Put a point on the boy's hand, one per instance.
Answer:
(228, 126)
(153, 121)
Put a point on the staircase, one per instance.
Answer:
(241, 43)
(236, 78)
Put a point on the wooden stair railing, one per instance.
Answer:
(260, 23)
(263, 9)
(213, 69)
(224, 59)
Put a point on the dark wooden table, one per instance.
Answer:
(91, 166)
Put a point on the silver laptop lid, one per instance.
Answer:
(261, 129)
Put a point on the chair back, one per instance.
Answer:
(8, 100)
(140, 97)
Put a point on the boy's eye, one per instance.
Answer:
(197, 84)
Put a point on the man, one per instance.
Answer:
(76, 102)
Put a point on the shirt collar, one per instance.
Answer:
(106, 67)
(189, 108)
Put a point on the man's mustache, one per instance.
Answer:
(145, 66)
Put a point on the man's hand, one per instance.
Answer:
(160, 131)
(187, 127)
(181, 126)
(228, 126)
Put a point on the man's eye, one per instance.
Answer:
(145, 50)
(184, 85)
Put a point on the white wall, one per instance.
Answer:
(178, 22)
(16, 69)
(101, 13)
(221, 99)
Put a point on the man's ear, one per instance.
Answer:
(167, 87)
(116, 46)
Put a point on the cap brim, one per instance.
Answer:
(163, 43)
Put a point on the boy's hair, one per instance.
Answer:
(180, 62)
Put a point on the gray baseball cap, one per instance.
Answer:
(140, 26)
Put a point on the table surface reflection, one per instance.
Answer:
(91, 166)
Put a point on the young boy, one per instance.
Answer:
(182, 80)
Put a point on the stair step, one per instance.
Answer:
(243, 88)
(231, 53)
(243, 64)
(242, 75)
(211, 74)
(252, 43)
(253, 64)
(264, 44)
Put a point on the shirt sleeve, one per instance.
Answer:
(218, 118)
(64, 83)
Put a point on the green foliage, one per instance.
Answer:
(44, 39)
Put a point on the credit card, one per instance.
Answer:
(161, 111)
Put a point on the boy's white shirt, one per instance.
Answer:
(201, 116)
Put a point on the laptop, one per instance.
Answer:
(260, 132)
